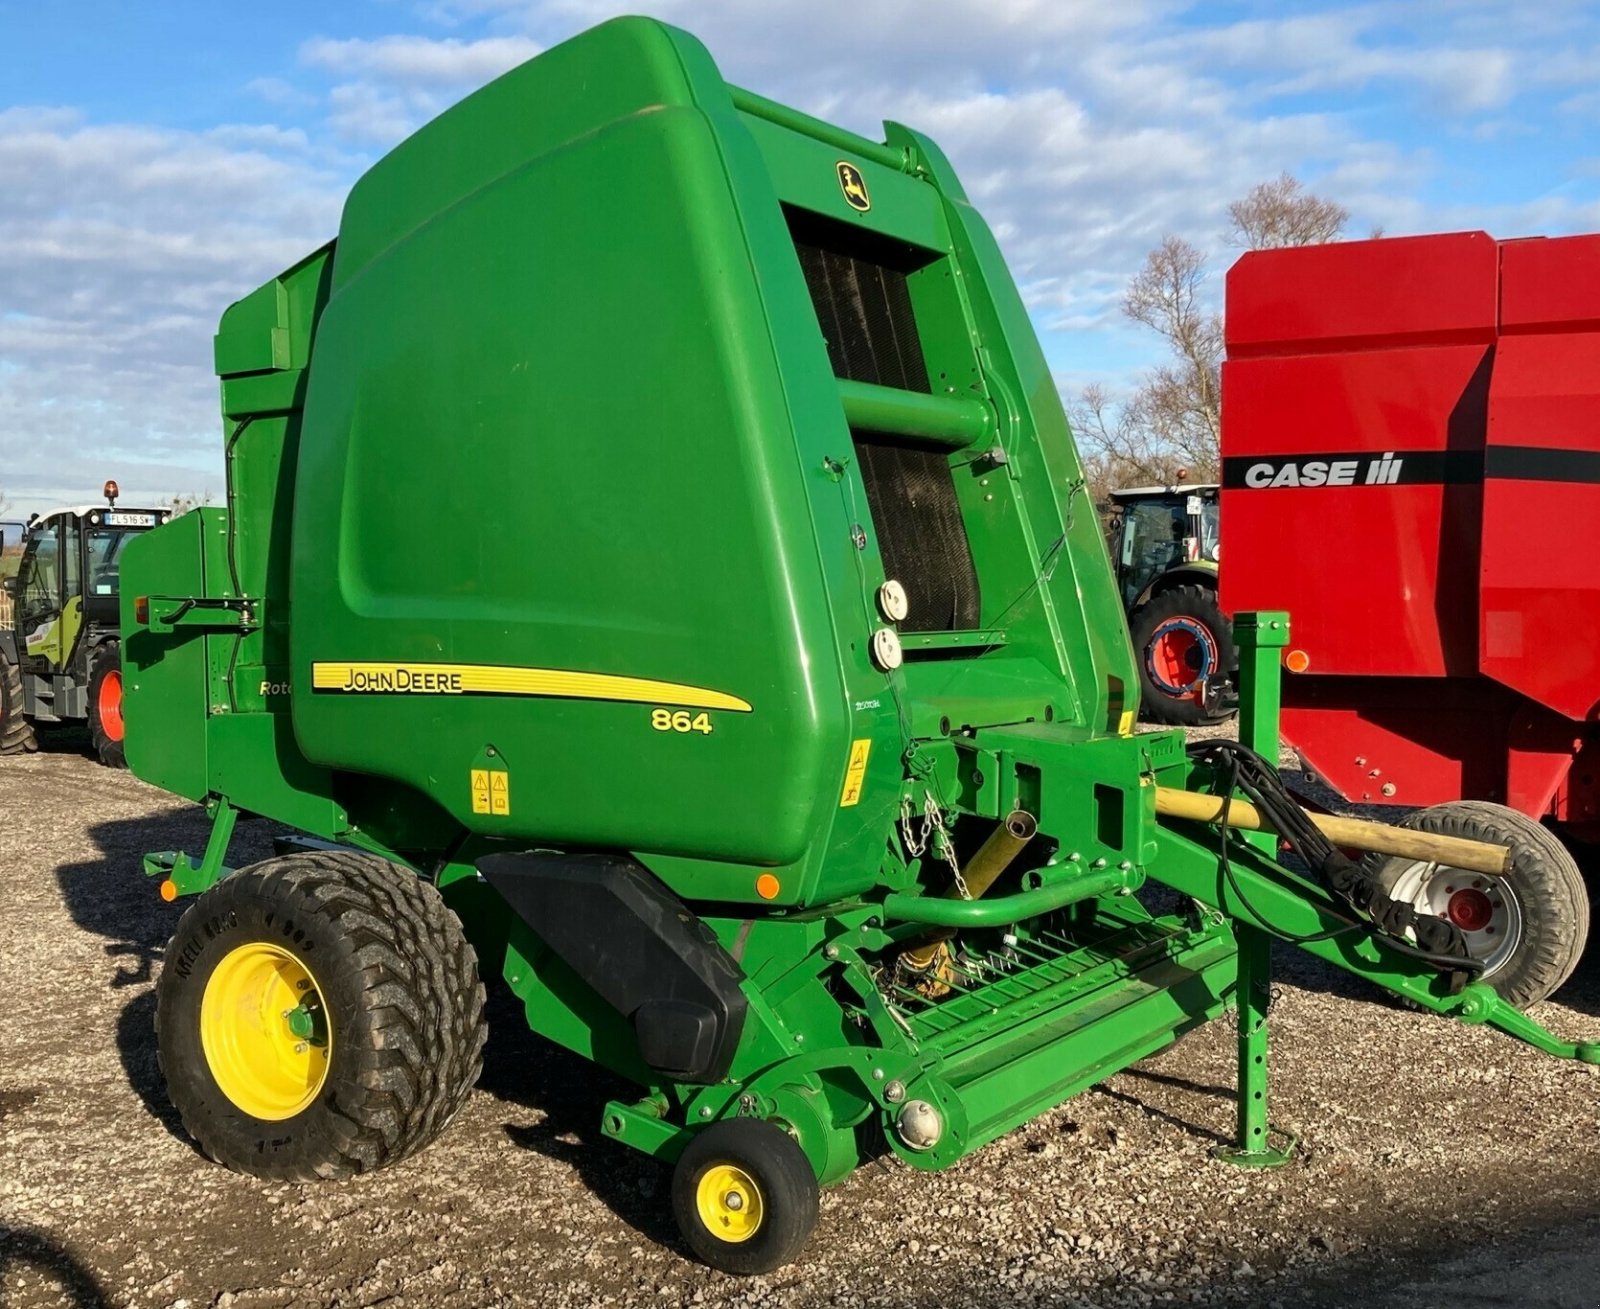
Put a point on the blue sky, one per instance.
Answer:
(158, 160)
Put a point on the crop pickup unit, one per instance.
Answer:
(761, 711)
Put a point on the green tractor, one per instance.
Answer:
(1166, 546)
(60, 652)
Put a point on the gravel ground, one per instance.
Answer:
(1436, 1163)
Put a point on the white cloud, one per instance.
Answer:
(417, 60)
(119, 247)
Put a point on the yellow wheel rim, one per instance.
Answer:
(265, 1031)
(730, 1203)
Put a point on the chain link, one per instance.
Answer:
(930, 832)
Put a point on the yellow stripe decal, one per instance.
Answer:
(494, 679)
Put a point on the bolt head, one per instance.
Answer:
(734, 1201)
(830, 952)
(895, 1092)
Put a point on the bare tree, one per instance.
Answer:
(182, 504)
(1282, 212)
(1170, 428)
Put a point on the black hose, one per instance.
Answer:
(1237, 767)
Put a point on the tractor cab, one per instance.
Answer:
(60, 655)
(1158, 528)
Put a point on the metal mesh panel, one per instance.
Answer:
(912, 496)
(858, 286)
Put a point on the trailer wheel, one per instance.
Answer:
(319, 1015)
(16, 732)
(744, 1196)
(1186, 657)
(1528, 930)
(105, 704)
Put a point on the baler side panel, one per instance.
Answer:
(592, 492)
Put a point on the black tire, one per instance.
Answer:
(1546, 891)
(1196, 605)
(16, 732)
(785, 1191)
(396, 984)
(105, 703)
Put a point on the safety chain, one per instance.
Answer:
(932, 832)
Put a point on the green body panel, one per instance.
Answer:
(548, 527)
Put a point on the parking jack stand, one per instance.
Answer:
(1259, 638)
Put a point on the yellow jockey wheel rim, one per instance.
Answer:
(730, 1203)
(265, 1031)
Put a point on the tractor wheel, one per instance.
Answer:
(105, 704)
(1527, 930)
(16, 732)
(744, 1196)
(1186, 657)
(319, 1015)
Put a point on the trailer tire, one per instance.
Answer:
(16, 732)
(1183, 625)
(1545, 919)
(105, 704)
(744, 1196)
(380, 1051)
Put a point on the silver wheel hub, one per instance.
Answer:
(1484, 908)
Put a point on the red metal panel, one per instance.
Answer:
(1539, 588)
(1380, 580)
(1550, 282)
(1425, 288)
(1380, 740)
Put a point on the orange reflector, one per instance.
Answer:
(1297, 661)
(767, 886)
(169, 890)
(141, 611)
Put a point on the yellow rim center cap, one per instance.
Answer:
(730, 1202)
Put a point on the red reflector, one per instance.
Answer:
(141, 610)
(1297, 661)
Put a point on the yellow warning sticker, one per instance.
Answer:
(855, 773)
(491, 791)
(1125, 727)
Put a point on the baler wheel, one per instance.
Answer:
(105, 704)
(319, 1015)
(1184, 648)
(1528, 930)
(744, 1196)
(16, 732)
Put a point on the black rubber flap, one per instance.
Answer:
(652, 960)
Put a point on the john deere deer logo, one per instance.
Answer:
(854, 186)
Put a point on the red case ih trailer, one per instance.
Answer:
(1411, 465)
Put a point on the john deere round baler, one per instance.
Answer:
(656, 572)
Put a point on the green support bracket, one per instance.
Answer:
(181, 875)
(644, 1126)
(1259, 637)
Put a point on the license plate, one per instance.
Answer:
(116, 519)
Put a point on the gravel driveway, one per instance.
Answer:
(1422, 1143)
